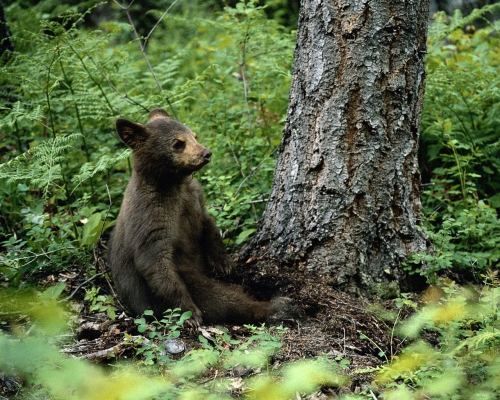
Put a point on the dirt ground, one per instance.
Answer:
(330, 323)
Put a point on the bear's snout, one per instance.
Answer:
(206, 155)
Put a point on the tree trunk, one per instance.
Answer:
(345, 200)
(6, 46)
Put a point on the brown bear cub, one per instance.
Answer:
(165, 247)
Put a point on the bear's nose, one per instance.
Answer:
(206, 154)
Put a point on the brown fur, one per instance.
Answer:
(165, 247)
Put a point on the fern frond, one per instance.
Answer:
(443, 25)
(20, 112)
(41, 165)
(88, 170)
(475, 342)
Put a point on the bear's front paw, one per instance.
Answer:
(195, 321)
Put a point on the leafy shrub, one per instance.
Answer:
(100, 302)
(467, 240)
(465, 364)
(152, 348)
(57, 144)
(460, 143)
(45, 371)
(459, 130)
(49, 374)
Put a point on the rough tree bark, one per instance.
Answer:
(345, 200)
(6, 46)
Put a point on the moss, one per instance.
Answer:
(385, 290)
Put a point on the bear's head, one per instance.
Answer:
(163, 149)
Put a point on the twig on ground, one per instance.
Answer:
(104, 354)
(82, 284)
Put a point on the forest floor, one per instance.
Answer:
(331, 323)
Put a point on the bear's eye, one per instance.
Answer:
(179, 144)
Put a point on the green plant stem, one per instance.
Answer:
(464, 127)
(47, 93)
(461, 172)
(18, 137)
(52, 125)
(243, 74)
(79, 120)
(266, 123)
(114, 88)
(229, 142)
(142, 46)
(375, 344)
(51, 117)
(471, 118)
(111, 108)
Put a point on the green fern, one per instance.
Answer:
(479, 341)
(20, 113)
(103, 164)
(41, 166)
(459, 122)
(443, 25)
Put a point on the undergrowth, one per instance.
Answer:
(463, 321)
(451, 351)
(207, 372)
(460, 143)
(63, 172)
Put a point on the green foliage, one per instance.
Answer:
(252, 67)
(459, 129)
(466, 363)
(468, 239)
(48, 374)
(299, 377)
(460, 143)
(268, 339)
(43, 246)
(51, 101)
(152, 348)
(63, 170)
(220, 351)
(101, 303)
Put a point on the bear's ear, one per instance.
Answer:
(157, 113)
(130, 132)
